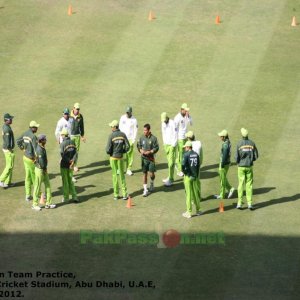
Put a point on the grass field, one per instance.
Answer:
(243, 72)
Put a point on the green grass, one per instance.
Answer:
(241, 73)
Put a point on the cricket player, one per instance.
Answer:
(77, 130)
(197, 145)
(8, 150)
(117, 146)
(27, 142)
(246, 154)
(65, 122)
(190, 168)
(68, 154)
(224, 166)
(182, 121)
(41, 175)
(129, 125)
(169, 136)
(147, 146)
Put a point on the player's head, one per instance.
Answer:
(147, 128)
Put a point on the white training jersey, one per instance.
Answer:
(129, 126)
(63, 123)
(169, 133)
(196, 145)
(181, 124)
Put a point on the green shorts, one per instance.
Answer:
(148, 165)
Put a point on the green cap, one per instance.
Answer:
(114, 123)
(163, 116)
(64, 131)
(223, 133)
(185, 107)
(244, 132)
(189, 134)
(7, 116)
(188, 144)
(34, 124)
(129, 109)
(66, 111)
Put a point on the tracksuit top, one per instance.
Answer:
(117, 144)
(41, 157)
(169, 133)
(8, 138)
(181, 125)
(246, 153)
(68, 152)
(191, 164)
(77, 126)
(225, 153)
(129, 126)
(28, 143)
(148, 143)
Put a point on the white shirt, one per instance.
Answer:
(197, 147)
(169, 133)
(181, 124)
(63, 123)
(129, 126)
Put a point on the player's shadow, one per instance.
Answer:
(209, 167)
(277, 201)
(93, 168)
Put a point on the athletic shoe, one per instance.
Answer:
(1, 183)
(50, 206)
(129, 173)
(199, 213)
(180, 174)
(74, 179)
(116, 198)
(76, 169)
(230, 193)
(168, 183)
(239, 207)
(217, 196)
(4, 185)
(28, 198)
(151, 188)
(186, 215)
(165, 180)
(125, 198)
(145, 193)
(251, 207)
(36, 207)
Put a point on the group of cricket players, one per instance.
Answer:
(183, 151)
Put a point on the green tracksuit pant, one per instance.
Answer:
(67, 184)
(245, 176)
(118, 164)
(76, 140)
(224, 184)
(192, 193)
(29, 175)
(180, 151)
(171, 155)
(9, 165)
(129, 157)
(41, 177)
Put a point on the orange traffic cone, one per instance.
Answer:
(294, 23)
(218, 20)
(70, 10)
(151, 16)
(221, 207)
(42, 199)
(129, 203)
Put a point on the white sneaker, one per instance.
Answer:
(151, 188)
(168, 183)
(76, 169)
(36, 207)
(165, 180)
(74, 179)
(180, 174)
(230, 192)
(50, 206)
(129, 173)
(186, 215)
(3, 184)
(145, 193)
(217, 196)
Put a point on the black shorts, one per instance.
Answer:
(148, 165)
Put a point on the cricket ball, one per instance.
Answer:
(171, 238)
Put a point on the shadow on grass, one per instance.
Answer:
(278, 201)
